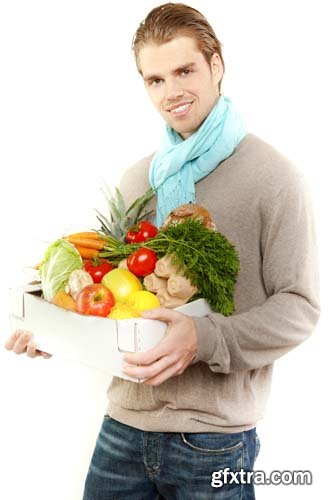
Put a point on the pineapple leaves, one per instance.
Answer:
(105, 224)
(103, 219)
(139, 204)
(113, 210)
(119, 201)
(120, 218)
(145, 215)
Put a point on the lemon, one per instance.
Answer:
(143, 300)
(123, 311)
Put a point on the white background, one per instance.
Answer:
(74, 111)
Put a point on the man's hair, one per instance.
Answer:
(166, 22)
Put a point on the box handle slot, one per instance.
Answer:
(135, 338)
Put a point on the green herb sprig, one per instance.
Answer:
(206, 257)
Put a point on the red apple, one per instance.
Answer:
(95, 299)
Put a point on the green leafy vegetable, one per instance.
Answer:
(60, 259)
(208, 259)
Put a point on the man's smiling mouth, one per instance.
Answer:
(180, 109)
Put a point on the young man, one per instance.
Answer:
(208, 381)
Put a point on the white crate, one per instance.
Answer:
(95, 341)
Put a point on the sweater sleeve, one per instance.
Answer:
(258, 337)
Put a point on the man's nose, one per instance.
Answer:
(173, 90)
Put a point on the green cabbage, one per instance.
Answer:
(60, 259)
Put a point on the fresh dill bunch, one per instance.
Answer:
(206, 257)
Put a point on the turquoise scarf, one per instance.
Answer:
(180, 163)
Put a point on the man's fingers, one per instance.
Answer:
(170, 371)
(164, 347)
(31, 351)
(162, 314)
(150, 371)
(45, 355)
(21, 343)
(147, 357)
(11, 341)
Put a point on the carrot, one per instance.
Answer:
(87, 253)
(87, 234)
(86, 242)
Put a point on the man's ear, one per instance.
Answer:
(216, 67)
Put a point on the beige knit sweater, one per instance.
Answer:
(261, 203)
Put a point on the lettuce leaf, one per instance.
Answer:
(60, 259)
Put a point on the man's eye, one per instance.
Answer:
(155, 82)
(186, 71)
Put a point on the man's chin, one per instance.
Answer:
(183, 132)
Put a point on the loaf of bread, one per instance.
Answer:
(191, 210)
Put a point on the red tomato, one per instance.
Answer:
(142, 262)
(98, 270)
(141, 232)
(132, 236)
(147, 230)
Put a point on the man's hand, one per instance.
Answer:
(20, 342)
(171, 356)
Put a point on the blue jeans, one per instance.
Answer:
(136, 465)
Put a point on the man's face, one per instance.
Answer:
(180, 82)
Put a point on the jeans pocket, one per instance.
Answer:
(213, 443)
(210, 452)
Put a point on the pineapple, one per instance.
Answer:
(120, 218)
